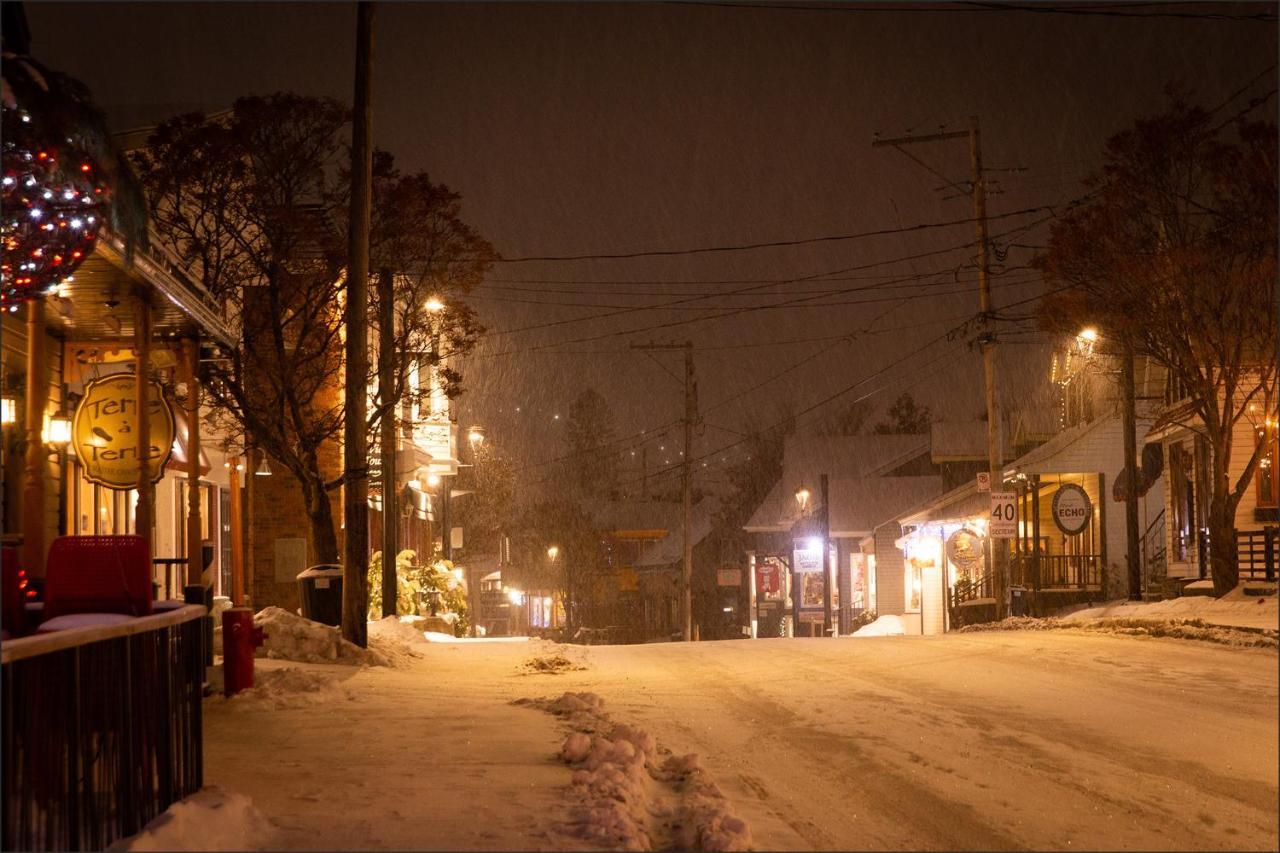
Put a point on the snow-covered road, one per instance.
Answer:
(1037, 739)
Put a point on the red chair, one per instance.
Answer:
(98, 574)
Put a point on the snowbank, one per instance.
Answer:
(1235, 608)
(884, 626)
(628, 799)
(280, 689)
(1138, 626)
(291, 637)
(210, 819)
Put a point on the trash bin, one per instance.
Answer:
(1018, 602)
(320, 592)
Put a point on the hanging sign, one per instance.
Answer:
(1072, 508)
(1003, 523)
(105, 428)
(966, 551)
(728, 577)
(984, 481)
(768, 578)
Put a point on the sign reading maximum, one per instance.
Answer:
(1003, 523)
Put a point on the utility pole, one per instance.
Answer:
(995, 456)
(1129, 423)
(355, 451)
(686, 477)
(387, 436)
(824, 519)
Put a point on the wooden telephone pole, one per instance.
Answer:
(355, 451)
(995, 460)
(686, 478)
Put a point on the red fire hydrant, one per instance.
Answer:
(239, 639)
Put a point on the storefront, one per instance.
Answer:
(77, 460)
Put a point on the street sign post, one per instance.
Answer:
(1003, 523)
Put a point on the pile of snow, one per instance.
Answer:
(398, 638)
(1180, 629)
(393, 641)
(627, 798)
(1236, 608)
(210, 819)
(884, 626)
(281, 689)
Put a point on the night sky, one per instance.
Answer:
(619, 128)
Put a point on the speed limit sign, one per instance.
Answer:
(1003, 523)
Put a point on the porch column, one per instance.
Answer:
(195, 551)
(144, 510)
(33, 492)
(237, 533)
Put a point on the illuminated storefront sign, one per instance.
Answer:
(104, 432)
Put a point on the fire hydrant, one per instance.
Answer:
(239, 639)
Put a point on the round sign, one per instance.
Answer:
(965, 550)
(1072, 509)
(104, 432)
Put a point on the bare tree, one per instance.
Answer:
(1175, 257)
(249, 202)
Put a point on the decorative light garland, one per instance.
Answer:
(53, 203)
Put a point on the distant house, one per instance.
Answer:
(870, 479)
(1069, 542)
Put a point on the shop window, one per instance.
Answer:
(1268, 482)
(911, 591)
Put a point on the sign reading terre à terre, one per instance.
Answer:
(104, 432)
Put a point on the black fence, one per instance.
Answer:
(1257, 551)
(102, 730)
(1063, 572)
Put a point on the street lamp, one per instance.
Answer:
(802, 497)
(1086, 338)
(553, 551)
(475, 436)
(58, 430)
(434, 305)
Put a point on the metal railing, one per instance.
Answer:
(1155, 562)
(1059, 571)
(1257, 552)
(101, 731)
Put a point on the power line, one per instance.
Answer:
(773, 244)
(817, 294)
(1100, 11)
(858, 268)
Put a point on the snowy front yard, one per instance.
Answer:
(996, 740)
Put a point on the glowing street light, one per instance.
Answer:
(553, 551)
(433, 480)
(1086, 338)
(434, 305)
(58, 430)
(476, 436)
(802, 497)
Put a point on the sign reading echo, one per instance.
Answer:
(1072, 508)
(104, 432)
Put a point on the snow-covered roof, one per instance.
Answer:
(954, 441)
(858, 504)
(637, 515)
(670, 549)
(806, 457)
